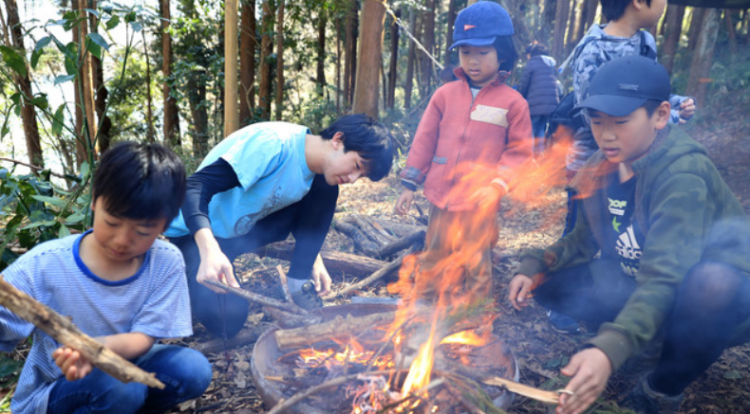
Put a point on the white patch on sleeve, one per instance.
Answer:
(490, 115)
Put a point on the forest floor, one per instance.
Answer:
(541, 351)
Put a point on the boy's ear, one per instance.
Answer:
(662, 114)
(337, 140)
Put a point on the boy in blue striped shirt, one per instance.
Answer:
(119, 285)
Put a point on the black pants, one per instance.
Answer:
(711, 304)
(308, 220)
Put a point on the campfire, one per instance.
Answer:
(432, 354)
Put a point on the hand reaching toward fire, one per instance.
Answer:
(590, 369)
(519, 290)
(487, 197)
(403, 204)
(320, 277)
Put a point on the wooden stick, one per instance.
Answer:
(287, 294)
(547, 397)
(400, 244)
(245, 337)
(283, 405)
(263, 300)
(473, 409)
(65, 332)
(345, 263)
(336, 328)
(385, 270)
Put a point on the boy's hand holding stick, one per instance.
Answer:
(64, 331)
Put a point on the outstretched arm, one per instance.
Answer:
(202, 186)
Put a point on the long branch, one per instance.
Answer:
(65, 332)
(263, 300)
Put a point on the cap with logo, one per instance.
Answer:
(623, 85)
(480, 23)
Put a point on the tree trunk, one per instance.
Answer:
(28, 111)
(703, 56)
(451, 17)
(101, 92)
(696, 20)
(196, 92)
(731, 33)
(393, 66)
(548, 22)
(675, 15)
(366, 90)
(561, 18)
(266, 47)
(350, 44)
(280, 62)
(574, 15)
(80, 147)
(428, 41)
(410, 60)
(248, 43)
(338, 65)
(231, 111)
(171, 129)
(149, 105)
(321, 58)
(87, 89)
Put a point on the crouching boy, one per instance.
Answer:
(119, 285)
(674, 248)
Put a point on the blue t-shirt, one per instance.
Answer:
(269, 160)
(153, 301)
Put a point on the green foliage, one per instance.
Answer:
(34, 210)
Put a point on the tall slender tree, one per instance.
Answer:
(561, 18)
(231, 111)
(280, 61)
(28, 111)
(392, 67)
(411, 58)
(674, 20)
(100, 89)
(428, 41)
(366, 89)
(171, 125)
(703, 55)
(248, 46)
(320, 61)
(266, 48)
(451, 18)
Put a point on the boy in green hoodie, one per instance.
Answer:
(661, 245)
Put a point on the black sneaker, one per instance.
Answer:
(645, 400)
(307, 298)
(563, 323)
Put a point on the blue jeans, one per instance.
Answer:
(185, 372)
(539, 130)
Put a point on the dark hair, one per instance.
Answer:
(506, 51)
(140, 181)
(369, 138)
(614, 9)
(651, 106)
(536, 49)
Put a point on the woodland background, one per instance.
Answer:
(187, 73)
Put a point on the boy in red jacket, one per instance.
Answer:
(474, 131)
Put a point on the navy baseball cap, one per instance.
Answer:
(480, 23)
(623, 85)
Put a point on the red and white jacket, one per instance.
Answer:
(460, 135)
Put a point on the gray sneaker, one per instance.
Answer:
(645, 400)
(307, 298)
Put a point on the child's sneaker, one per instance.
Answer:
(307, 298)
(563, 323)
(645, 400)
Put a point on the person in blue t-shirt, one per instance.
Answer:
(120, 285)
(257, 186)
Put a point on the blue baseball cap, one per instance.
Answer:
(623, 85)
(480, 24)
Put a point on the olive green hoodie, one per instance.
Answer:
(688, 215)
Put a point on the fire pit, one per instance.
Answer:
(279, 374)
